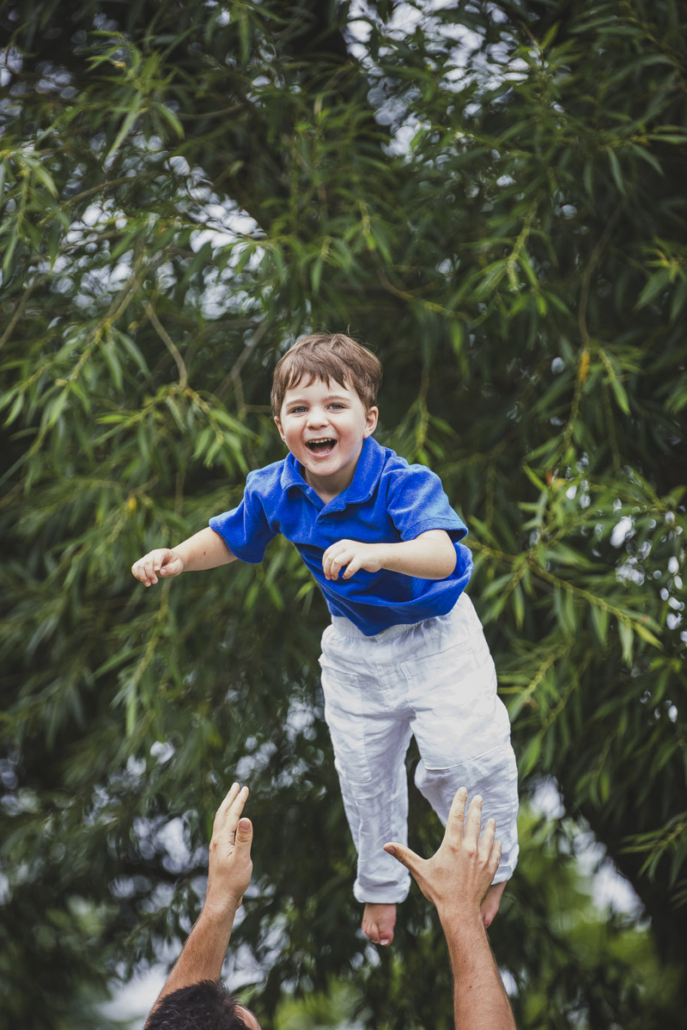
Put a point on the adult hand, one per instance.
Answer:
(161, 562)
(229, 873)
(351, 555)
(458, 876)
(230, 865)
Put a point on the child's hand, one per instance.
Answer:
(163, 562)
(351, 555)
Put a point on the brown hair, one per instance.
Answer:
(328, 356)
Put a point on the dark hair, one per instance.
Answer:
(328, 356)
(207, 1005)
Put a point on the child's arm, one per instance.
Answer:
(204, 550)
(430, 555)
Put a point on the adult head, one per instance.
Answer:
(206, 1005)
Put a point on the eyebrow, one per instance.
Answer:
(329, 397)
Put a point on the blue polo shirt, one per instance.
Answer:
(387, 501)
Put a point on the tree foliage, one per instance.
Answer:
(492, 196)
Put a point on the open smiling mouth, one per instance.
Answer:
(321, 447)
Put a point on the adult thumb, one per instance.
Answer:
(403, 855)
(244, 833)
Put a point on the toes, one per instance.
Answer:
(488, 917)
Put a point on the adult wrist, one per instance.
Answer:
(220, 909)
(457, 923)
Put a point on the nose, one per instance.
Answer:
(317, 417)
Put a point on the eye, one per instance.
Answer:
(297, 410)
(335, 404)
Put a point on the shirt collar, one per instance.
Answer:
(365, 478)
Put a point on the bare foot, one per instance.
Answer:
(490, 905)
(378, 922)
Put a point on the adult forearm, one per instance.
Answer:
(480, 1000)
(204, 550)
(203, 954)
(431, 555)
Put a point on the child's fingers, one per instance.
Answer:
(172, 568)
(139, 571)
(150, 571)
(143, 569)
(327, 559)
(354, 566)
(334, 561)
(345, 561)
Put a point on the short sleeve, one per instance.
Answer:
(245, 530)
(416, 503)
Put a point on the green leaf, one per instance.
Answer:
(656, 283)
(600, 622)
(615, 170)
(626, 640)
(531, 756)
(316, 275)
(126, 126)
(170, 116)
(620, 395)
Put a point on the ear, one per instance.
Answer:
(371, 421)
(278, 425)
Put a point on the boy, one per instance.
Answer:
(405, 652)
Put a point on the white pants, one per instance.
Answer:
(435, 679)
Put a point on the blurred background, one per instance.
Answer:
(491, 195)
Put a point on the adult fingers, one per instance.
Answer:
(473, 822)
(235, 810)
(456, 817)
(486, 841)
(223, 810)
(494, 858)
(244, 834)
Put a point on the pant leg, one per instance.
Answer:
(370, 738)
(462, 729)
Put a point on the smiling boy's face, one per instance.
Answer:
(324, 425)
